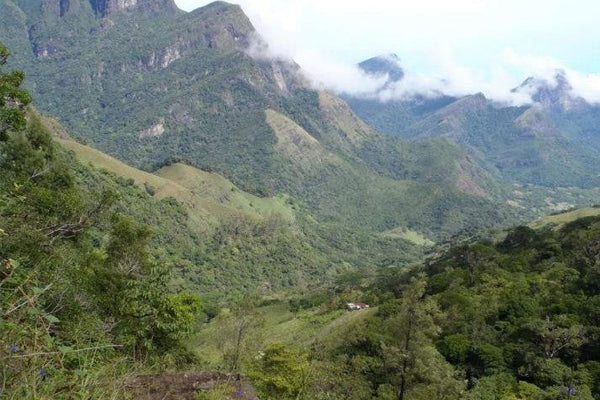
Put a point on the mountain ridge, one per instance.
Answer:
(152, 89)
(552, 143)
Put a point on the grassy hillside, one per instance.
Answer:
(208, 196)
(154, 89)
(559, 220)
(218, 194)
(226, 238)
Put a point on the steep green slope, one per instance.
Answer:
(352, 192)
(153, 89)
(225, 238)
(209, 197)
(522, 144)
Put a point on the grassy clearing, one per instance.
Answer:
(279, 324)
(559, 220)
(410, 235)
(218, 193)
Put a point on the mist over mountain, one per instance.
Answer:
(547, 143)
(384, 65)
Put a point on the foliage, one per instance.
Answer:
(512, 320)
(521, 310)
(75, 312)
(238, 332)
(280, 372)
(13, 99)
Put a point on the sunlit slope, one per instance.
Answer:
(208, 196)
(559, 220)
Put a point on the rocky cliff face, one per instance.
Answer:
(104, 8)
(56, 26)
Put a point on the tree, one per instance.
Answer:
(418, 368)
(239, 328)
(134, 291)
(13, 99)
(280, 373)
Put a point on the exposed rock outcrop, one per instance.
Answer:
(103, 8)
(153, 131)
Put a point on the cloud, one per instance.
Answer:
(319, 35)
(450, 78)
(586, 86)
(446, 76)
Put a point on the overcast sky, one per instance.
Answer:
(472, 45)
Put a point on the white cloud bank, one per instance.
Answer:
(318, 33)
(448, 78)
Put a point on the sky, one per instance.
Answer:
(452, 46)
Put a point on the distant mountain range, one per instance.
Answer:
(153, 85)
(553, 142)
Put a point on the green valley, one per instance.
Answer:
(185, 214)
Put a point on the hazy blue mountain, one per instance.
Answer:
(554, 142)
(392, 116)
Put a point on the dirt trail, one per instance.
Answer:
(185, 386)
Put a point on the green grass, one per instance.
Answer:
(208, 197)
(410, 235)
(279, 324)
(217, 192)
(561, 219)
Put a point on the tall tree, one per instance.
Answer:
(13, 99)
(240, 331)
(420, 371)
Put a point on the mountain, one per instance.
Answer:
(391, 116)
(384, 65)
(109, 272)
(576, 118)
(522, 143)
(552, 143)
(153, 88)
(555, 94)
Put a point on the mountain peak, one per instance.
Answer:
(104, 8)
(556, 92)
(384, 64)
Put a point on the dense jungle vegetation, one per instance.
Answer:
(517, 319)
